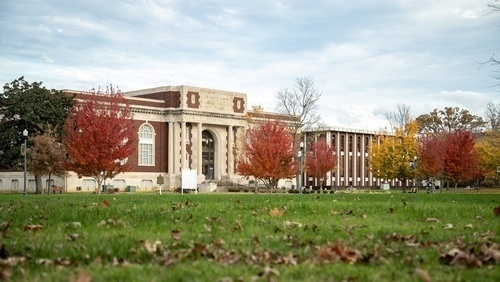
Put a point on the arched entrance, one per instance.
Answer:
(208, 155)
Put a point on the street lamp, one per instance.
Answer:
(25, 134)
(415, 171)
(300, 166)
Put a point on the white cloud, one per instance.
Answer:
(365, 57)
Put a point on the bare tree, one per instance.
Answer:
(492, 115)
(495, 7)
(300, 101)
(493, 62)
(400, 118)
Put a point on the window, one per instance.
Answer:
(146, 145)
(147, 184)
(49, 184)
(119, 183)
(31, 185)
(89, 185)
(14, 184)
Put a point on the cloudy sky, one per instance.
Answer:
(365, 56)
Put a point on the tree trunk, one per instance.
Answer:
(99, 181)
(38, 184)
(49, 186)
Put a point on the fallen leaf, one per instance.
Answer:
(32, 227)
(267, 271)
(237, 226)
(4, 226)
(72, 237)
(74, 224)
(44, 261)
(5, 275)
(468, 226)
(347, 212)
(104, 203)
(448, 226)
(276, 212)
(176, 234)
(496, 211)
(412, 244)
(152, 247)
(423, 274)
(431, 219)
(292, 224)
(62, 262)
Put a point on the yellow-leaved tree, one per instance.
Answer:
(488, 150)
(392, 155)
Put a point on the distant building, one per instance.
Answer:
(187, 127)
(352, 149)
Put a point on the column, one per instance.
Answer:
(199, 150)
(354, 145)
(230, 144)
(183, 145)
(363, 160)
(170, 148)
(175, 154)
(328, 180)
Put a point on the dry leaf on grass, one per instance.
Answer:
(287, 223)
(423, 274)
(431, 219)
(496, 211)
(74, 224)
(72, 237)
(448, 226)
(104, 203)
(176, 234)
(33, 227)
(152, 247)
(267, 271)
(83, 276)
(4, 226)
(337, 252)
(276, 212)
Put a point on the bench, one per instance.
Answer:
(54, 189)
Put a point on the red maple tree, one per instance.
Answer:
(431, 156)
(460, 158)
(267, 153)
(320, 160)
(100, 136)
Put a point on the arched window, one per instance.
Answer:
(146, 145)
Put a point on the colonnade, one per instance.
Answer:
(178, 157)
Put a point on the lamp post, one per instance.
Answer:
(300, 166)
(25, 134)
(415, 171)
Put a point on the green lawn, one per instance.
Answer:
(240, 236)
